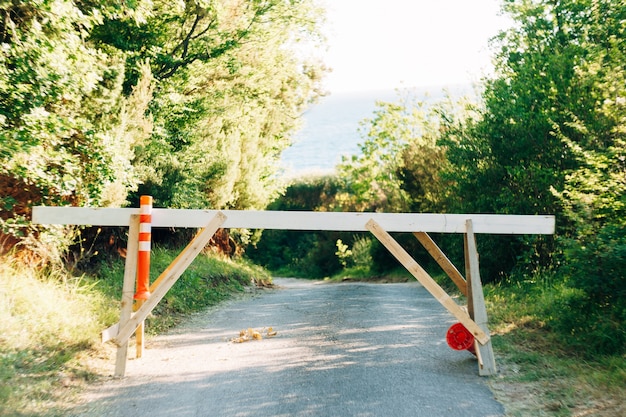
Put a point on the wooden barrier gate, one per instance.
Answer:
(474, 318)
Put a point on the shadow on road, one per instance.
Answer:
(341, 350)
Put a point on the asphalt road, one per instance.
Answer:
(350, 349)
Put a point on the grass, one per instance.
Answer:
(541, 375)
(41, 336)
(50, 322)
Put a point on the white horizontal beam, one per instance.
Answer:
(301, 220)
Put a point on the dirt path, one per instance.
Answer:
(349, 349)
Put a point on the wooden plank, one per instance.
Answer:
(171, 275)
(128, 290)
(479, 357)
(110, 332)
(422, 276)
(468, 275)
(487, 362)
(302, 220)
(442, 260)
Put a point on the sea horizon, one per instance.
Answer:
(330, 127)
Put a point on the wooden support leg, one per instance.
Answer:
(128, 290)
(169, 277)
(476, 303)
(422, 276)
(443, 261)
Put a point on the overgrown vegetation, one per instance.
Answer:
(547, 137)
(51, 319)
(47, 319)
(544, 372)
(192, 102)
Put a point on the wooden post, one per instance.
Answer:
(468, 275)
(476, 303)
(128, 289)
(422, 276)
(169, 277)
(443, 261)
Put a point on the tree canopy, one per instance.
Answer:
(548, 137)
(190, 101)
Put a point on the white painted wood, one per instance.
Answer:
(302, 220)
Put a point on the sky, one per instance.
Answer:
(387, 44)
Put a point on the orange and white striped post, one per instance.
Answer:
(143, 262)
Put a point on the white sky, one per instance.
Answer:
(387, 44)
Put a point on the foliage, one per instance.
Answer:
(359, 256)
(561, 378)
(66, 130)
(343, 253)
(594, 258)
(399, 164)
(190, 101)
(311, 193)
(361, 251)
(305, 254)
(47, 318)
(553, 78)
(300, 254)
(591, 131)
(548, 138)
(230, 92)
(399, 169)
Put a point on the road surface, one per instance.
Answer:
(350, 349)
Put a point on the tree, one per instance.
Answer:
(191, 101)
(515, 156)
(594, 195)
(66, 130)
(551, 139)
(230, 90)
(399, 164)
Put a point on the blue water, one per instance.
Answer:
(331, 129)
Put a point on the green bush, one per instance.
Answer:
(302, 254)
(362, 251)
(592, 314)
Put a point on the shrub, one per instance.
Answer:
(593, 313)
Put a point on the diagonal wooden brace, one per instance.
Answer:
(169, 277)
(443, 261)
(422, 276)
